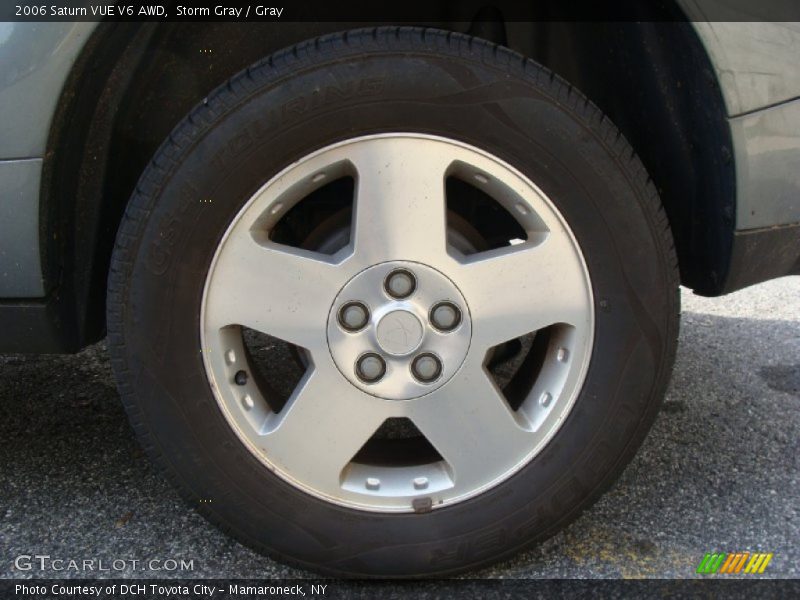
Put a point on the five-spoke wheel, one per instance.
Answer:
(398, 324)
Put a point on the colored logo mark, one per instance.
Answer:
(723, 563)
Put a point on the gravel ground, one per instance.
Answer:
(719, 471)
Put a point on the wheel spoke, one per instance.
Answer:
(400, 201)
(282, 291)
(522, 289)
(324, 424)
(472, 427)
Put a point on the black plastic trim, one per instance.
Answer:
(35, 327)
(763, 254)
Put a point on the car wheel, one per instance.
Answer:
(393, 302)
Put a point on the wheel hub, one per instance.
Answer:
(418, 326)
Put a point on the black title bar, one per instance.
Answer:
(403, 11)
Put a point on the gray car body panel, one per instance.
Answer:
(755, 63)
(757, 68)
(766, 146)
(36, 60)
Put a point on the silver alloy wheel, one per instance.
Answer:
(399, 222)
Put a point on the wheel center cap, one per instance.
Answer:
(387, 335)
(399, 332)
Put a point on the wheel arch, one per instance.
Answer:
(135, 81)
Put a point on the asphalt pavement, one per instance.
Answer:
(718, 472)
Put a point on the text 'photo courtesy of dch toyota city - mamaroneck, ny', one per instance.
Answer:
(456, 298)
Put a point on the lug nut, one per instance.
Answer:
(240, 378)
(400, 283)
(370, 367)
(426, 367)
(353, 316)
(445, 316)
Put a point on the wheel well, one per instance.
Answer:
(134, 82)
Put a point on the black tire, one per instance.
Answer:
(401, 79)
